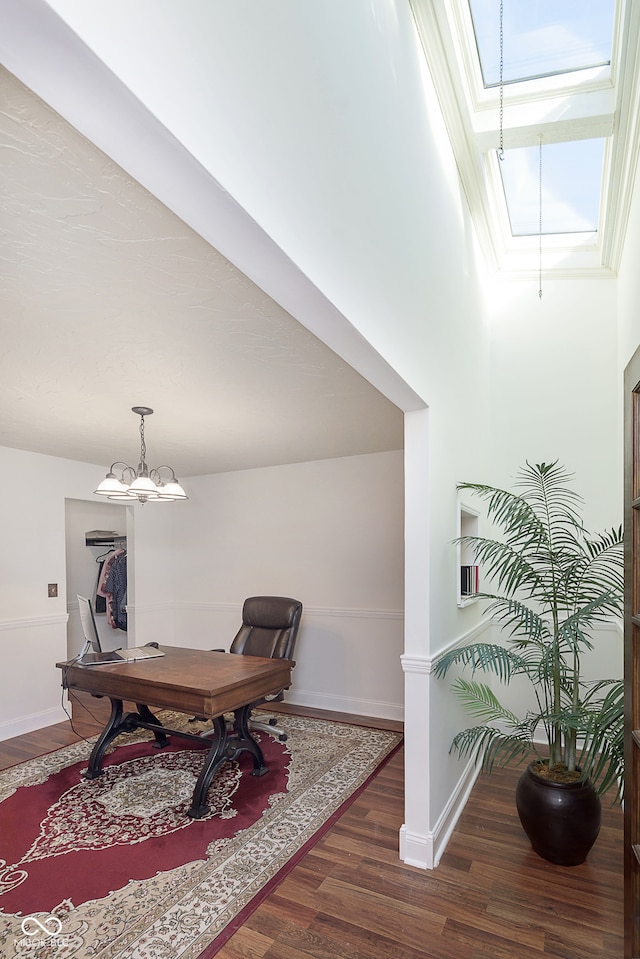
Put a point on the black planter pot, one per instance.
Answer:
(562, 820)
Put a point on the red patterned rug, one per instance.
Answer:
(113, 868)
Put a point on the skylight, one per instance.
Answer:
(571, 179)
(569, 81)
(541, 38)
(544, 39)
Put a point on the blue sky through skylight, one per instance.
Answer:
(571, 179)
(542, 37)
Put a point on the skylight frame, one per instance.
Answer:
(569, 175)
(482, 102)
(519, 255)
(533, 94)
(538, 98)
(583, 36)
(470, 111)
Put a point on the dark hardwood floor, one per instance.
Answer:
(351, 898)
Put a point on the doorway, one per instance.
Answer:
(82, 567)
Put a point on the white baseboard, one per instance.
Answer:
(359, 707)
(425, 851)
(416, 850)
(453, 810)
(27, 724)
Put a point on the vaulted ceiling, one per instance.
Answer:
(109, 301)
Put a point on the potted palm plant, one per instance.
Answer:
(554, 582)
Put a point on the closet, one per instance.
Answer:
(84, 523)
(109, 595)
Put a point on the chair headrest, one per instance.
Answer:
(271, 612)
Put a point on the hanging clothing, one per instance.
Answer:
(104, 590)
(116, 587)
(99, 601)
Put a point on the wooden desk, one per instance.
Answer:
(192, 681)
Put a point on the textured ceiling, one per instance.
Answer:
(110, 301)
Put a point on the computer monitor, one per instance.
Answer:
(89, 628)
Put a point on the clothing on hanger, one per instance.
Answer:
(99, 601)
(116, 587)
(105, 588)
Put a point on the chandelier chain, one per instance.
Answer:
(143, 445)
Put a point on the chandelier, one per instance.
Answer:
(142, 484)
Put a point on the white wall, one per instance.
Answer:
(329, 533)
(555, 387)
(33, 627)
(629, 286)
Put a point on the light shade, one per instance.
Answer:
(112, 487)
(143, 486)
(172, 490)
(140, 485)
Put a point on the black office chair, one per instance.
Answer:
(269, 628)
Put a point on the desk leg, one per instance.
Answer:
(145, 714)
(224, 747)
(246, 742)
(215, 757)
(113, 728)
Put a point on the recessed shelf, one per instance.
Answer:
(467, 570)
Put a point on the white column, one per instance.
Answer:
(416, 844)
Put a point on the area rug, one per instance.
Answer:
(113, 868)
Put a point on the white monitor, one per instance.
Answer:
(89, 628)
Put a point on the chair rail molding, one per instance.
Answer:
(426, 664)
(416, 664)
(31, 621)
(335, 611)
(472, 635)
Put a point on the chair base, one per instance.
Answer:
(268, 725)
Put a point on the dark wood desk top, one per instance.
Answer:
(189, 680)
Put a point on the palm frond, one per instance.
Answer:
(602, 756)
(487, 657)
(508, 510)
(488, 746)
(605, 542)
(545, 488)
(507, 564)
(480, 700)
(524, 624)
